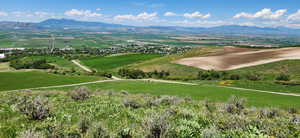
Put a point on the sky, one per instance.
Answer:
(189, 13)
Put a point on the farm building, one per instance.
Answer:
(2, 55)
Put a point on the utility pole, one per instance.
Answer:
(52, 44)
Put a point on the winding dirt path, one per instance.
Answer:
(81, 66)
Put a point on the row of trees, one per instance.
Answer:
(217, 75)
(139, 74)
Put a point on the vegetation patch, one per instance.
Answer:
(112, 114)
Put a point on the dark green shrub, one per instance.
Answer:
(254, 77)
(211, 75)
(104, 74)
(283, 77)
(234, 77)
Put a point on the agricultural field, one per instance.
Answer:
(166, 63)
(236, 58)
(113, 62)
(24, 80)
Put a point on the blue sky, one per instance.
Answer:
(200, 13)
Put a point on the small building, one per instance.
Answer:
(2, 55)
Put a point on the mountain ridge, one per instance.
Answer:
(96, 26)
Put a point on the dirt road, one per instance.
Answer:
(81, 66)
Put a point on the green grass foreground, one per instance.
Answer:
(112, 62)
(199, 92)
(84, 114)
(23, 80)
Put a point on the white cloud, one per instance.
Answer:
(22, 14)
(263, 14)
(141, 16)
(3, 13)
(41, 14)
(84, 13)
(170, 14)
(294, 16)
(98, 9)
(196, 15)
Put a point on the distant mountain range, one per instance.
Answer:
(68, 24)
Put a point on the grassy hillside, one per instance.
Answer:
(113, 62)
(22, 80)
(106, 114)
(291, 67)
(199, 92)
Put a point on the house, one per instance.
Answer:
(2, 55)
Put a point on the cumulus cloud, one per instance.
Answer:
(98, 9)
(197, 15)
(84, 13)
(294, 16)
(263, 14)
(3, 13)
(141, 16)
(170, 14)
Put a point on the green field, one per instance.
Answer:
(23, 80)
(59, 62)
(113, 62)
(199, 92)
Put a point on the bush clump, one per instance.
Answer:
(283, 77)
(212, 75)
(254, 77)
(235, 105)
(157, 126)
(97, 131)
(81, 93)
(131, 103)
(35, 108)
(31, 134)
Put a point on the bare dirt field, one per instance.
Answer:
(234, 58)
